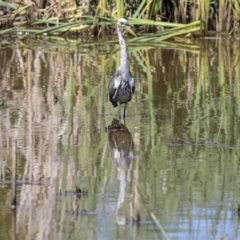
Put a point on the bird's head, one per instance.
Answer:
(123, 22)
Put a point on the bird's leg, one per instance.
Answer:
(119, 112)
(124, 121)
(124, 111)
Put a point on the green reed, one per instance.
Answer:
(67, 17)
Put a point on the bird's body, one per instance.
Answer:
(121, 88)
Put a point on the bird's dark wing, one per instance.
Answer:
(133, 90)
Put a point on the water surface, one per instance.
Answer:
(177, 158)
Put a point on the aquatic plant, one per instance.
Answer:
(98, 17)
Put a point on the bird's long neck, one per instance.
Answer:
(123, 52)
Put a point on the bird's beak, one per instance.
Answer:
(130, 25)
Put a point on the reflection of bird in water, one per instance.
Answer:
(122, 86)
(121, 146)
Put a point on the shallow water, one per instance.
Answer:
(177, 159)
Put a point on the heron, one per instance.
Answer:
(122, 86)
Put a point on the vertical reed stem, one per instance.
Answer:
(221, 15)
(204, 12)
(236, 15)
(120, 8)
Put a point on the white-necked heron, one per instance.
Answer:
(121, 88)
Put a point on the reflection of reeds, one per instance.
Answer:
(14, 175)
(62, 145)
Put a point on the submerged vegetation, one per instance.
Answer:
(92, 17)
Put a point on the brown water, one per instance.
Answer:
(177, 159)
